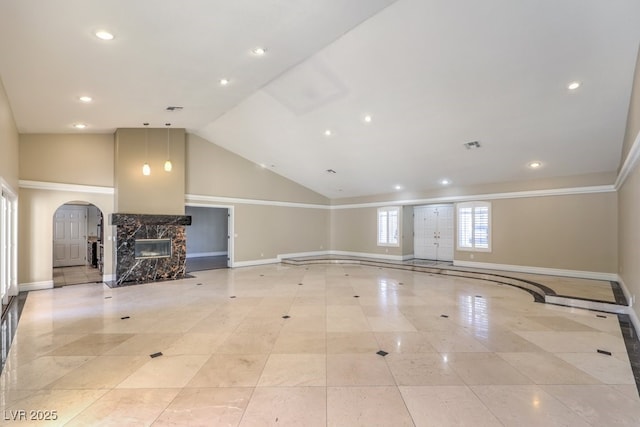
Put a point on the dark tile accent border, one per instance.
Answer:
(632, 342)
(618, 294)
(10, 318)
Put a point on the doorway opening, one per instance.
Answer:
(433, 232)
(78, 244)
(208, 238)
(8, 247)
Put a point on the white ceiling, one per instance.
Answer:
(432, 74)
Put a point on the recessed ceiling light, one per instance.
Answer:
(259, 51)
(328, 132)
(445, 181)
(104, 35)
(79, 125)
(85, 99)
(573, 85)
(535, 165)
(397, 187)
(367, 118)
(262, 165)
(224, 82)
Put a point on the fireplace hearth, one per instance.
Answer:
(149, 248)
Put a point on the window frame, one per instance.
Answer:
(387, 242)
(460, 223)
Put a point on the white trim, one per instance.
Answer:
(206, 254)
(587, 305)
(200, 200)
(629, 163)
(490, 196)
(57, 186)
(538, 270)
(407, 257)
(255, 262)
(8, 190)
(36, 286)
(634, 319)
(194, 200)
(368, 255)
(108, 277)
(303, 254)
(625, 290)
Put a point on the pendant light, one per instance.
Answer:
(146, 169)
(167, 165)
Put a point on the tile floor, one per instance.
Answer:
(458, 352)
(63, 276)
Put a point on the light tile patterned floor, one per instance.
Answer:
(459, 352)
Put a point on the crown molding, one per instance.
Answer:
(57, 186)
(629, 164)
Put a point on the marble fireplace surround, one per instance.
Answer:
(129, 228)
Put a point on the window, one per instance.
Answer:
(388, 226)
(474, 226)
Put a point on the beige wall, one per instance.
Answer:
(633, 118)
(573, 232)
(212, 170)
(35, 222)
(355, 230)
(159, 193)
(629, 202)
(407, 230)
(85, 159)
(8, 143)
(264, 232)
(629, 232)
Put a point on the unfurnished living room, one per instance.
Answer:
(320, 213)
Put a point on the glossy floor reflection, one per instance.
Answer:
(337, 345)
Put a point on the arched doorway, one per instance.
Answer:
(78, 236)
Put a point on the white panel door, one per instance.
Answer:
(69, 236)
(445, 233)
(433, 232)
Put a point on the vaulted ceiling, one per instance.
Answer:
(385, 93)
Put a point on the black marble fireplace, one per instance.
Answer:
(149, 248)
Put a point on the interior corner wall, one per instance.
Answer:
(36, 209)
(8, 143)
(569, 232)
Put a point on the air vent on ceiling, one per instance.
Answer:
(174, 108)
(472, 144)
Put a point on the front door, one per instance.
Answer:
(69, 236)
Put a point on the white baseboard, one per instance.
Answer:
(35, 286)
(369, 255)
(303, 254)
(406, 257)
(634, 319)
(206, 254)
(108, 277)
(255, 262)
(538, 270)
